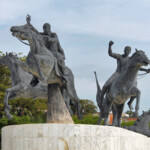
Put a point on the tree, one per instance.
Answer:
(88, 106)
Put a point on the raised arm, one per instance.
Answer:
(28, 19)
(114, 55)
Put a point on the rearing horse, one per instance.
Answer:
(41, 63)
(122, 88)
(20, 83)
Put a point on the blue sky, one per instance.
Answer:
(84, 28)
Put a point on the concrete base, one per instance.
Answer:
(71, 137)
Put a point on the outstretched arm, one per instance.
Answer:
(114, 55)
(146, 70)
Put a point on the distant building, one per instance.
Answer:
(125, 117)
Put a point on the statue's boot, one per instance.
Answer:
(34, 81)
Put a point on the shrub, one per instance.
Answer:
(127, 124)
(19, 120)
(89, 119)
(3, 122)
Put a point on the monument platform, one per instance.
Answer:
(71, 137)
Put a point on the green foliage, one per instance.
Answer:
(30, 107)
(3, 122)
(130, 113)
(40, 118)
(19, 120)
(89, 119)
(88, 107)
(127, 124)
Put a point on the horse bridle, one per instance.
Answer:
(22, 41)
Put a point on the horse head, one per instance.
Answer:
(23, 32)
(9, 58)
(140, 58)
(27, 32)
(3, 60)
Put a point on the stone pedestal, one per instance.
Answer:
(57, 110)
(71, 137)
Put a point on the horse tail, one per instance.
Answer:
(98, 90)
(99, 100)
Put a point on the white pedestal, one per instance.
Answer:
(71, 137)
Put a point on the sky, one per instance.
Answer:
(84, 28)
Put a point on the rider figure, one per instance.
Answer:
(51, 43)
(121, 61)
(121, 64)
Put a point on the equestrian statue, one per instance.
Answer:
(45, 61)
(142, 124)
(23, 87)
(122, 85)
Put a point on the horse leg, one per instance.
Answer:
(72, 92)
(137, 94)
(17, 71)
(8, 94)
(107, 107)
(120, 110)
(104, 90)
(130, 103)
(79, 107)
(114, 111)
(99, 120)
(71, 112)
(67, 100)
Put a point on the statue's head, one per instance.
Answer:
(127, 50)
(22, 32)
(47, 28)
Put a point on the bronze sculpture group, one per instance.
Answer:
(45, 62)
(48, 76)
(122, 85)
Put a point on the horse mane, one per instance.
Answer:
(135, 53)
(38, 37)
(134, 56)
